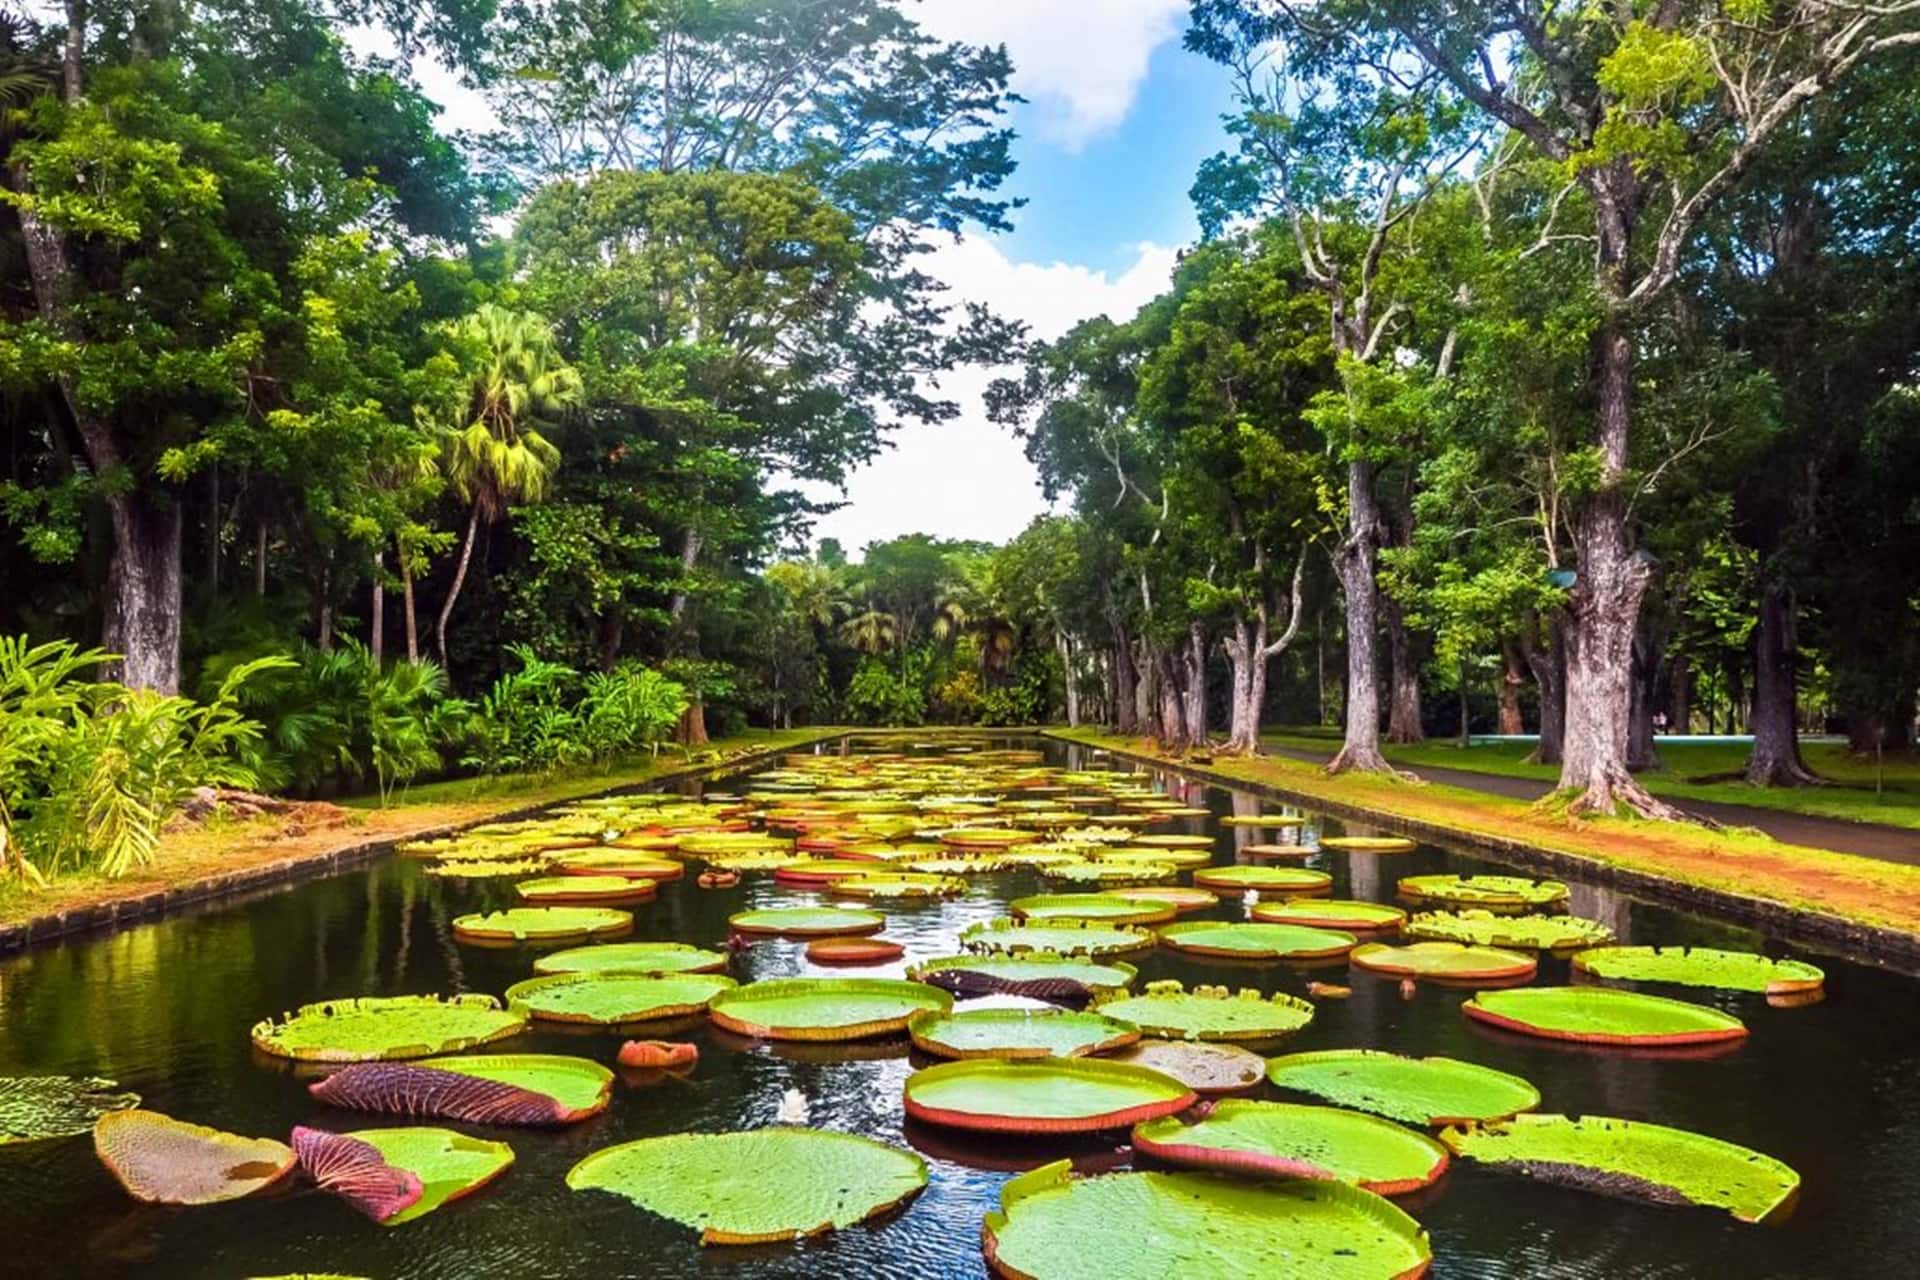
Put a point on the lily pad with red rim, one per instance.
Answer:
(1267, 850)
(1237, 941)
(822, 871)
(1494, 893)
(895, 885)
(1290, 1140)
(1182, 898)
(615, 999)
(1702, 967)
(1018, 1033)
(1103, 907)
(1108, 872)
(633, 957)
(387, 1028)
(443, 1164)
(1064, 937)
(1204, 1067)
(757, 1187)
(533, 1089)
(1209, 1013)
(585, 890)
(1054, 1095)
(160, 1160)
(1426, 1091)
(1600, 1015)
(1369, 844)
(806, 922)
(634, 864)
(1044, 975)
(1444, 962)
(542, 924)
(1332, 913)
(824, 1008)
(1527, 933)
(853, 951)
(1263, 879)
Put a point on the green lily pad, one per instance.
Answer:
(449, 1165)
(1174, 842)
(901, 884)
(825, 1008)
(1263, 878)
(1509, 893)
(1444, 962)
(1195, 857)
(1010, 937)
(37, 1107)
(1209, 1013)
(575, 890)
(1633, 1159)
(806, 922)
(543, 924)
(757, 1187)
(1600, 1015)
(1289, 1140)
(1702, 967)
(1178, 896)
(1369, 844)
(387, 1028)
(1054, 1095)
(1018, 1033)
(1029, 966)
(484, 869)
(538, 1090)
(1120, 871)
(634, 864)
(1527, 933)
(615, 999)
(1255, 941)
(1332, 913)
(1197, 1226)
(1103, 907)
(633, 957)
(1428, 1091)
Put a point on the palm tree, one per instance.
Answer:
(872, 632)
(493, 451)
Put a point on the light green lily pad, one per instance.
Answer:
(1011, 937)
(1104, 907)
(615, 999)
(543, 924)
(825, 1008)
(579, 1085)
(1600, 1015)
(1050, 1095)
(449, 1165)
(33, 1108)
(1332, 913)
(1508, 893)
(1263, 878)
(902, 884)
(1702, 967)
(1288, 1140)
(1526, 933)
(633, 957)
(1018, 1033)
(1117, 871)
(1030, 966)
(806, 922)
(1428, 1091)
(387, 1028)
(1445, 962)
(1233, 940)
(1209, 1013)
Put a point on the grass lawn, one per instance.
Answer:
(1851, 798)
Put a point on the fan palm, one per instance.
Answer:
(493, 451)
(872, 632)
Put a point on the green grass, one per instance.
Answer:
(1850, 799)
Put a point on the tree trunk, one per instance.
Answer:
(1354, 564)
(1146, 689)
(1064, 644)
(1466, 710)
(213, 531)
(1174, 732)
(325, 641)
(1644, 695)
(1513, 674)
(1195, 684)
(143, 593)
(1775, 761)
(377, 615)
(1549, 667)
(453, 591)
(406, 596)
(1403, 700)
(1126, 712)
(693, 724)
(260, 559)
(1242, 642)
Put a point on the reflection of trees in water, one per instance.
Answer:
(1609, 906)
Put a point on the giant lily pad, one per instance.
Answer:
(1266, 850)
(585, 890)
(1633, 1159)
(1599, 1015)
(484, 868)
(1198, 1226)
(1332, 913)
(1174, 842)
(532, 1089)
(1369, 844)
(1210, 1013)
(1043, 975)
(1527, 933)
(161, 1160)
(1194, 857)
(387, 1028)
(1056, 1095)
(631, 863)
(825, 1008)
(615, 999)
(1103, 907)
(36, 1107)
(1702, 967)
(823, 871)
(1267, 820)
(1182, 898)
(757, 1187)
(1287, 1140)
(1429, 1091)
(439, 1164)
(907, 884)
(806, 922)
(1255, 941)
(356, 1172)
(1018, 1033)
(1118, 871)
(543, 924)
(1445, 962)
(1263, 879)
(633, 957)
(1203, 1067)
(1010, 937)
(1497, 893)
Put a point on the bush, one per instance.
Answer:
(879, 697)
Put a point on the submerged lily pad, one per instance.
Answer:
(1428, 1091)
(615, 999)
(1332, 913)
(387, 1028)
(1445, 962)
(1510, 893)
(633, 957)
(1600, 1015)
(1203, 1067)
(1045, 975)
(37, 1107)
(1288, 1140)
(1531, 933)
(160, 1160)
(1103, 907)
(543, 924)
(825, 1008)
(1018, 1033)
(1255, 941)
(1210, 1013)
(1010, 937)
(1702, 967)
(1633, 1159)
(1055, 1095)
(806, 922)
(532, 1089)
(757, 1187)
(1134, 1226)
(1263, 879)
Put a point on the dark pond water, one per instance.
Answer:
(1833, 1089)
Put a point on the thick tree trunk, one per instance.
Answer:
(325, 623)
(1146, 689)
(1064, 644)
(1403, 701)
(377, 615)
(1126, 712)
(412, 619)
(1174, 733)
(1513, 674)
(453, 591)
(1194, 684)
(693, 725)
(1775, 761)
(1242, 643)
(143, 593)
(1354, 564)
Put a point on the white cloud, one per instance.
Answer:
(1079, 61)
(969, 478)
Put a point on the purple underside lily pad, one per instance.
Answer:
(402, 1089)
(356, 1172)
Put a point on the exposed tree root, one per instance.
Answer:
(1367, 760)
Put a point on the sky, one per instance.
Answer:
(1117, 121)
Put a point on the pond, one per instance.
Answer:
(165, 1008)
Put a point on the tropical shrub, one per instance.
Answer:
(628, 708)
(526, 720)
(878, 696)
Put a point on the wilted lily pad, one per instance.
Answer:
(1702, 967)
(1054, 1095)
(1600, 1015)
(1255, 941)
(1018, 1033)
(633, 957)
(161, 1160)
(1332, 913)
(1530, 933)
(36, 1107)
(1429, 1091)
(1043, 975)
(1103, 907)
(1263, 879)
(1633, 1159)
(1509, 893)
(1286, 1140)
(533, 1089)
(757, 1187)
(1210, 1013)
(440, 1164)
(1010, 937)
(1445, 962)
(825, 1008)
(615, 999)
(1130, 1226)
(806, 922)
(1203, 1067)
(543, 924)
(387, 1028)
